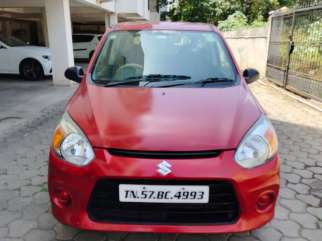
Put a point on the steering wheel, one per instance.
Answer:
(128, 70)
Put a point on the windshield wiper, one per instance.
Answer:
(148, 78)
(210, 80)
(157, 77)
(203, 82)
(153, 78)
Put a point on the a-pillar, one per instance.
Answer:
(60, 38)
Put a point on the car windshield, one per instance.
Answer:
(12, 41)
(184, 57)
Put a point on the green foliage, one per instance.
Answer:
(161, 3)
(258, 22)
(226, 13)
(307, 53)
(288, 3)
(221, 9)
(234, 21)
(260, 9)
(192, 11)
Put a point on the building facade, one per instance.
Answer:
(52, 22)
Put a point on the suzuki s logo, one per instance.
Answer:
(164, 168)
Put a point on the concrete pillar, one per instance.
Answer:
(44, 27)
(107, 20)
(60, 38)
(113, 19)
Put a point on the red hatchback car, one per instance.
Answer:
(163, 135)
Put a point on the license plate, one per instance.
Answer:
(163, 194)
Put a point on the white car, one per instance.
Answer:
(31, 62)
(84, 44)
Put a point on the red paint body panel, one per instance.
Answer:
(169, 119)
(173, 119)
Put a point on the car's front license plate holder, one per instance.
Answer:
(163, 194)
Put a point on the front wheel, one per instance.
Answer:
(31, 69)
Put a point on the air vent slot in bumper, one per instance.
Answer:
(164, 154)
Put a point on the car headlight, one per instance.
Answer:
(71, 144)
(258, 146)
(47, 57)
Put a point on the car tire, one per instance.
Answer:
(31, 69)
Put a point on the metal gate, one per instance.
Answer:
(295, 50)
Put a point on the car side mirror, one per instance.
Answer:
(250, 75)
(75, 73)
(2, 47)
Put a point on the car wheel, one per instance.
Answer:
(31, 69)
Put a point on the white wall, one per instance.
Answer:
(110, 5)
(126, 6)
(249, 47)
(137, 7)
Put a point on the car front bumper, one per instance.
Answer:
(249, 185)
(47, 67)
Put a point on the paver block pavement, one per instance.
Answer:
(19, 228)
(24, 209)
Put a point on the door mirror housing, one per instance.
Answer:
(250, 75)
(75, 74)
(2, 47)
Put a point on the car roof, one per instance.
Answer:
(184, 26)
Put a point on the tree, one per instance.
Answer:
(192, 11)
(162, 3)
(210, 11)
(215, 11)
(235, 20)
(259, 9)
(221, 9)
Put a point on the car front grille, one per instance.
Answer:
(104, 205)
(164, 154)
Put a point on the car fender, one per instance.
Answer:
(31, 58)
(20, 55)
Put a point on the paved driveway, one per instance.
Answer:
(21, 101)
(25, 213)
